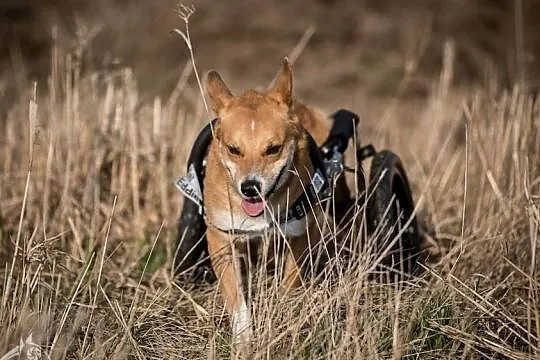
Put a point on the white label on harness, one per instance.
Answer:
(190, 187)
(317, 182)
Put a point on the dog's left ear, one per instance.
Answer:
(283, 86)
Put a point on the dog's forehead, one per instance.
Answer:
(253, 129)
(263, 121)
(259, 110)
(253, 104)
(245, 116)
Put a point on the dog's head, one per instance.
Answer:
(257, 135)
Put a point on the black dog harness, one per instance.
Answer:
(314, 192)
(327, 165)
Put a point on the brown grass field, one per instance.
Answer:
(88, 156)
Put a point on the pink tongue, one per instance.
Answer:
(253, 208)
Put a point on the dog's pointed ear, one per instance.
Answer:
(283, 86)
(218, 92)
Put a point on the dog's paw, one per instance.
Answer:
(241, 351)
(241, 343)
(242, 333)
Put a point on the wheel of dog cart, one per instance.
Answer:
(389, 215)
(190, 237)
(191, 253)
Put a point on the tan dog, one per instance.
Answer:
(258, 164)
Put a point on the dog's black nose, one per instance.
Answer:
(250, 188)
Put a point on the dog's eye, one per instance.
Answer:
(272, 150)
(234, 150)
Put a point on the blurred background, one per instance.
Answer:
(359, 46)
(116, 115)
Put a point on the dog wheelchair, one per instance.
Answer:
(385, 194)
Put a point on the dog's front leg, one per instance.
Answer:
(227, 266)
(295, 253)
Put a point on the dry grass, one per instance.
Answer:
(88, 210)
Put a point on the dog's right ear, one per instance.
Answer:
(218, 92)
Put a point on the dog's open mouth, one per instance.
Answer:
(253, 206)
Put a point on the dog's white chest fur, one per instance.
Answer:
(227, 221)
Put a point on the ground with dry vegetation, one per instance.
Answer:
(88, 207)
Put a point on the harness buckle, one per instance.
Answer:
(334, 165)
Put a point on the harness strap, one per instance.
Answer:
(191, 185)
(319, 183)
